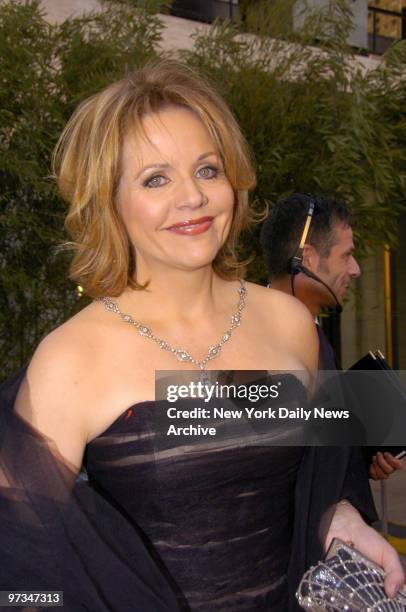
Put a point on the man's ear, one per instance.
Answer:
(310, 257)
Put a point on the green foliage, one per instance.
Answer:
(267, 17)
(316, 120)
(45, 71)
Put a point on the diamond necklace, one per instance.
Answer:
(180, 353)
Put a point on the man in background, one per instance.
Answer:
(309, 252)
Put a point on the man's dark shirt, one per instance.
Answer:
(327, 358)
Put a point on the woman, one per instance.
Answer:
(156, 173)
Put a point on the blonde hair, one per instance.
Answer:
(86, 164)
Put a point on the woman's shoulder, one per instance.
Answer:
(274, 303)
(69, 345)
(289, 323)
(54, 395)
(69, 356)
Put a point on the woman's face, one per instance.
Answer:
(174, 197)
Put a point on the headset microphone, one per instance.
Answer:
(300, 268)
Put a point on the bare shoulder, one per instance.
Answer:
(62, 354)
(277, 303)
(289, 321)
(54, 393)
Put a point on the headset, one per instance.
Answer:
(296, 262)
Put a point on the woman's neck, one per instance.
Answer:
(178, 295)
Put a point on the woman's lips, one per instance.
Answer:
(192, 227)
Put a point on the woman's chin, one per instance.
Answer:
(192, 260)
(197, 264)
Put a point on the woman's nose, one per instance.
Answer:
(190, 195)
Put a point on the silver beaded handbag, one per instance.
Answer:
(347, 580)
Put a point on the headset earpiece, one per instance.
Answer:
(296, 261)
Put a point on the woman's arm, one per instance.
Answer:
(54, 397)
(348, 525)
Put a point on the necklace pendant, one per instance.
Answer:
(204, 379)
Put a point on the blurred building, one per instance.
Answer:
(205, 10)
(386, 23)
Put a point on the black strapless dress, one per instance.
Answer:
(217, 516)
(226, 524)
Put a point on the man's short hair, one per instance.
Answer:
(282, 230)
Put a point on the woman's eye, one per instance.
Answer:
(207, 172)
(155, 181)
